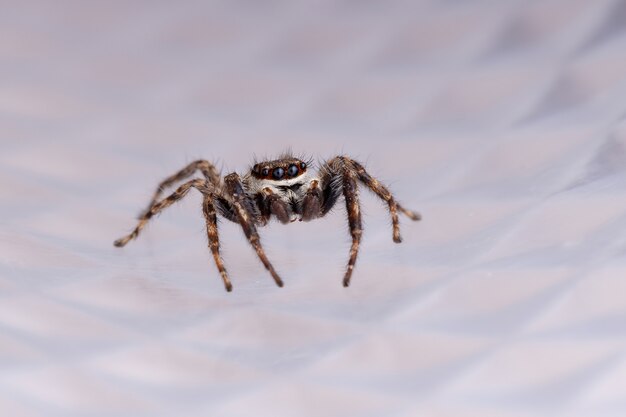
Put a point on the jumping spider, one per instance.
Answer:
(284, 188)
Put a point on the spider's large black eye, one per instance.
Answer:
(278, 173)
(292, 170)
(265, 172)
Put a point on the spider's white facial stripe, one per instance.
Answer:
(286, 182)
(303, 179)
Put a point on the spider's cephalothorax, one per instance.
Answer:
(283, 188)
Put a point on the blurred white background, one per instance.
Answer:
(502, 122)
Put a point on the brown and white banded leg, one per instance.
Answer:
(383, 192)
(208, 170)
(351, 195)
(157, 207)
(243, 207)
(208, 208)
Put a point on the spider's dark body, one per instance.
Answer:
(284, 189)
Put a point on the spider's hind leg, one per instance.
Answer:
(208, 170)
(161, 205)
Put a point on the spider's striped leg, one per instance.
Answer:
(210, 215)
(244, 207)
(381, 191)
(157, 207)
(351, 195)
(208, 170)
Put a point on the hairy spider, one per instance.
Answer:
(283, 188)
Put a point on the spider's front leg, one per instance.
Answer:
(244, 208)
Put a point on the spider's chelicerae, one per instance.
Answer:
(284, 188)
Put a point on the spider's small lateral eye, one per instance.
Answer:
(292, 170)
(278, 173)
(265, 172)
(302, 165)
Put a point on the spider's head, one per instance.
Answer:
(285, 178)
(283, 169)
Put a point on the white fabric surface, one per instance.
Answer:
(502, 122)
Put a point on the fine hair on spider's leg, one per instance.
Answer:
(208, 170)
(157, 207)
(244, 208)
(210, 214)
(381, 191)
(351, 195)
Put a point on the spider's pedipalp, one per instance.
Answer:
(275, 205)
(312, 202)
